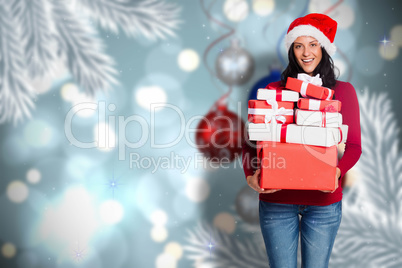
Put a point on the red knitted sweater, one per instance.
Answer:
(346, 94)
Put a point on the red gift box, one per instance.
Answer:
(332, 106)
(297, 166)
(308, 89)
(260, 111)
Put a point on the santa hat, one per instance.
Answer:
(316, 25)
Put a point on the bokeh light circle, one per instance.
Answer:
(235, 10)
(8, 250)
(340, 66)
(66, 216)
(17, 191)
(159, 217)
(83, 106)
(165, 260)
(42, 85)
(396, 35)
(225, 222)
(263, 7)
(389, 51)
(319, 6)
(33, 176)
(38, 133)
(111, 212)
(159, 233)
(105, 136)
(147, 197)
(197, 189)
(188, 60)
(145, 96)
(174, 249)
(69, 92)
(344, 15)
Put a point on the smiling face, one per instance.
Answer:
(308, 53)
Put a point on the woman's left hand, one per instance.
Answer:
(338, 174)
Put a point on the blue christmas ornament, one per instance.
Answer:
(275, 75)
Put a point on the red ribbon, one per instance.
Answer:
(283, 133)
(323, 119)
(340, 130)
(278, 95)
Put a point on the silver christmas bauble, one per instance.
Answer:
(247, 205)
(234, 66)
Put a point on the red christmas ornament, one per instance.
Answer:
(220, 134)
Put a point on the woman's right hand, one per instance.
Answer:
(254, 182)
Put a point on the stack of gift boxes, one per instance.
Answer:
(297, 147)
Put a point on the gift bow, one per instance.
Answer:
(276, 114)
(315, 80)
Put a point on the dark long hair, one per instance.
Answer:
(325, 68)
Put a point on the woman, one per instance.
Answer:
(316, 215)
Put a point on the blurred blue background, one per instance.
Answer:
(114, 205)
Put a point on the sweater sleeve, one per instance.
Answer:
(249, 158)
(351, 117)
(249, 153)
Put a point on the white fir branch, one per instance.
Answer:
(151, 18)
(375, 241)
(35, 33)
(227, 251)
(89, 65)
(38, 36)
(16, 95)
(380, 146)
(370, 234)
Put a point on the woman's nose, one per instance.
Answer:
(306, 51)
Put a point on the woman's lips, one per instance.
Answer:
(307, 62)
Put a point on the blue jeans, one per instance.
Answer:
(281, 224)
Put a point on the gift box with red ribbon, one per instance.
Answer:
(277, 94)
(317, 118)
(292, 133)
(319, 105)
(263, 111)
(297, 166)
(308, 89)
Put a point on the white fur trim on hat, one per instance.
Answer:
(308, 30)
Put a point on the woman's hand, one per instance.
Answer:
(254, 182)
(338, 174)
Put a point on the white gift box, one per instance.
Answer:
(277, 94)
(317, 118)
(292, 133)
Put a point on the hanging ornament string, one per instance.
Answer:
(280, 41)
(222, 100)
(277, 15)
(205, 55)
(332, 8)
